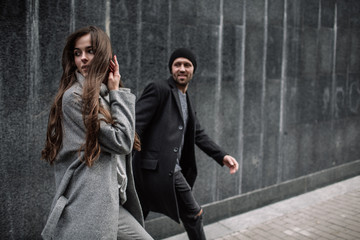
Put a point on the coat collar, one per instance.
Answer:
(104, 91)
(174, 91)
(80, 78)
(172, 83)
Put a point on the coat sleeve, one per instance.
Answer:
(146, 106)
(207, 145)
(115, 138)
(118, 138)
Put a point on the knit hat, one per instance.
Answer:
(185, 53)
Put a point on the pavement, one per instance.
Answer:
(328, 213)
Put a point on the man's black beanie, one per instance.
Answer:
(182, 52)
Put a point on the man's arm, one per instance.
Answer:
(146, 107)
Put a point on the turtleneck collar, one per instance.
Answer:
(104, 91)
(80, 77)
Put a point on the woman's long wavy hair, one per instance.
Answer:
(98, 73)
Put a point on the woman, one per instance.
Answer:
(90, 136)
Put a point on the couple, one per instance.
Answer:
(92, 133)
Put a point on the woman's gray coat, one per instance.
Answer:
(86, 203)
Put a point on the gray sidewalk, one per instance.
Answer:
(331, 212)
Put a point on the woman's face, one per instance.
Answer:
(83, 54)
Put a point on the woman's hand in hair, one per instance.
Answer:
(114, 75)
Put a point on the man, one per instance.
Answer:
(165, 168)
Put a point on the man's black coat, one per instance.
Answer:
(159, 124)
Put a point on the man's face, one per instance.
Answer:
(182, 71)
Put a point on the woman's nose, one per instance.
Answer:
(84, 57)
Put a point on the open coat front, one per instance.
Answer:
(86, 203)
(159, 124)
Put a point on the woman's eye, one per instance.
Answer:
(91, 51)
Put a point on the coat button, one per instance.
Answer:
(181, 127)
(171, 173)
(176, 149)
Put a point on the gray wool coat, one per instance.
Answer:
(86, 202)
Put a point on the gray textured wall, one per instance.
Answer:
(277, 85)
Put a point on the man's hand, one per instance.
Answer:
(231, 163)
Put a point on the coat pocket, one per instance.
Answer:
(149, 164)
(54, 217)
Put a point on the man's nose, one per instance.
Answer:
(182, 68)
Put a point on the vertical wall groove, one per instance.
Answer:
(107, 17)
(282, 96)
(169, 50)
(219, 74)
(242, 99)
(218, 93)
(34, 61)
(333, 102)
(263, 91)
(319, 17)
(72, 16)
(31, 82)
(139, 46)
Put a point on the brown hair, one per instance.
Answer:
(97, 73)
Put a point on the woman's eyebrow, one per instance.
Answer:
(85, 48)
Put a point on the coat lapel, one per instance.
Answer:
(191, 111)
(175, 94)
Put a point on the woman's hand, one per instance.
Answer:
(114, 75)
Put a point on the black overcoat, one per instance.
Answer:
(159, 124)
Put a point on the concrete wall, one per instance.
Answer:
(277, 85)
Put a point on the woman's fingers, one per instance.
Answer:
(112, 66)
(116, 61)
(114, 74)
(116, 68)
